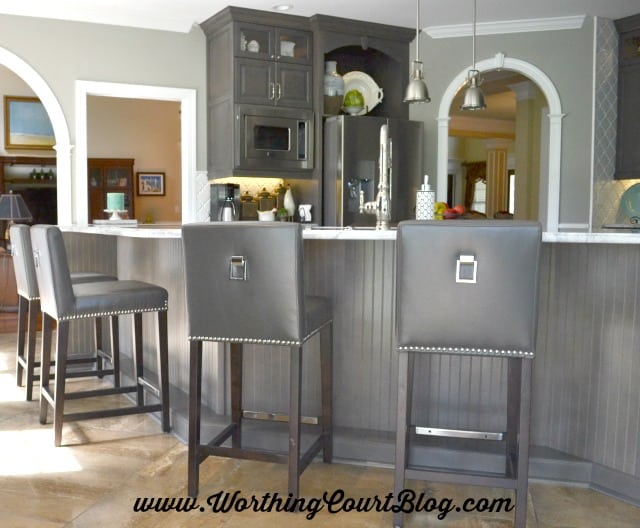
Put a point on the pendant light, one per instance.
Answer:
(417, 91)
(473, 97)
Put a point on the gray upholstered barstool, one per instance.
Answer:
(29, 308)
(244, 284)
(63, 302)
(468, 288)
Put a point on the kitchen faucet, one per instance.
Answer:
(381, 207)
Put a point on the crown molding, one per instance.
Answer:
(506, 26)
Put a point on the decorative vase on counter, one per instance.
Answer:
(333, 88)
(289, 203)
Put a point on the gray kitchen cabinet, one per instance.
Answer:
(259, 41)
(272, 65)
(259, 86)
(272, 83)
(628, 138)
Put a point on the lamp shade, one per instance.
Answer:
(12, 207)
(417, 91)
(473, 96)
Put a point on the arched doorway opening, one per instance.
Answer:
(60, 129)
(550, 194)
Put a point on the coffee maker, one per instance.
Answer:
(225, 202)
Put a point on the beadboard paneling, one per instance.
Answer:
(586, 371)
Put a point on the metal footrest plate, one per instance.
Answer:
(459, 433)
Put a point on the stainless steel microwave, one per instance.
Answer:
(274, 138)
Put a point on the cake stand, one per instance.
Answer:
(115, 213)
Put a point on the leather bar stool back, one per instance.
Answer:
(63, 301)
(29, 308)
(244, 284)
(468, 288)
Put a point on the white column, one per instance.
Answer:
(64, 184)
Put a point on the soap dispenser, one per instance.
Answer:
(425, 201)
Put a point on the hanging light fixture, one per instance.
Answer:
(473, 97)
(417, 89)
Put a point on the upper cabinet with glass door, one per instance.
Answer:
(273, 65)
(257, 41)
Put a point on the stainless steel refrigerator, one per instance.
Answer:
(351, 164)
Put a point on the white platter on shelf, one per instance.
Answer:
(372, 93)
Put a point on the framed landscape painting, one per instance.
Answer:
(26, 124)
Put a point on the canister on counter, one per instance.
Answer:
(280, 196)
(266, 201)
(248, 207)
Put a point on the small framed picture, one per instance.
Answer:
(150, 183)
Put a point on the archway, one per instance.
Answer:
(499, 61)
(59, 124)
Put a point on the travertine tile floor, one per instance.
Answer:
(105, 465)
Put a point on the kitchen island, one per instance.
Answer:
(586, 405)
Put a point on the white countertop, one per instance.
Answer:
(173, 231)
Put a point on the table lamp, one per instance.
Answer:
(12, 208)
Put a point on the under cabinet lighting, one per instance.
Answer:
(282, 7)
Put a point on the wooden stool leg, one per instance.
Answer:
(62, 343)
(115, 348)
(295, 403)
(138, 357)
(514, 375)
(45, 365)
(523, 443)
(163, 369)
(97, 344)
(33, 309)
(195, 396)
(405, 386)
(326, 374)
(20, 356)
(235, 359)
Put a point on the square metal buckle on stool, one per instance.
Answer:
(466, 269)
(237, 268)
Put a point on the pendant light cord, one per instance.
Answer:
(417, 30)
(473, 46)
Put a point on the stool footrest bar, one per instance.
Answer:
(87, 373)
(213, 448)
(243, 453)
(108, 413)
(99, 392)
(497, 480)
(277, 417)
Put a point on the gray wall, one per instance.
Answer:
(63, 52)
(567, 59)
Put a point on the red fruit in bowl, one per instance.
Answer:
(459, 209)
(450, 213)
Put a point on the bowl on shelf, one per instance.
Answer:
(353, 110)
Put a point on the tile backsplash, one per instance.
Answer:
(607, 191)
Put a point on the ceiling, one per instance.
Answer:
(180, 15)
